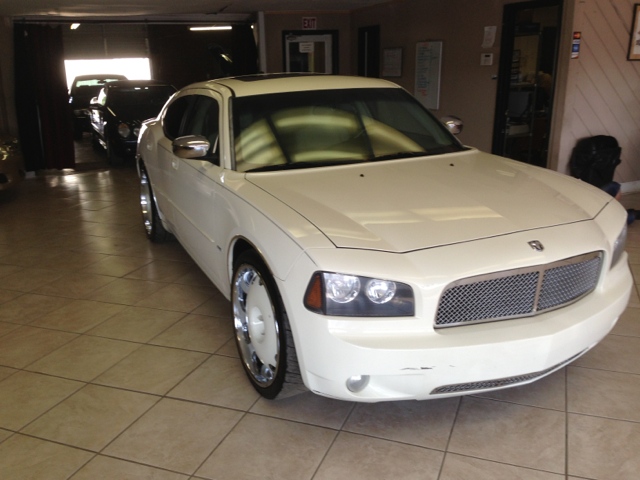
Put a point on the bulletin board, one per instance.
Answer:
(428, 65)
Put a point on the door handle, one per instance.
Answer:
(174, 163)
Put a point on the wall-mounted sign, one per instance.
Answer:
(575, 46)
(489, 36)
(306, 47)
(309, 23)
(428, 62)
(392, 62)
(486, 59)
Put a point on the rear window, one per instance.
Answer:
(92, 82)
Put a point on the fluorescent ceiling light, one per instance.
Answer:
(213, 27)
(74, 26)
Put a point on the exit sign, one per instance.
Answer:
(309, 23)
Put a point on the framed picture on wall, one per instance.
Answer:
(392, 62)
(634, 41)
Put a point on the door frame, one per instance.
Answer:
(300, 33)
(504, 71)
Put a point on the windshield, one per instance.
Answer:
(330, 127)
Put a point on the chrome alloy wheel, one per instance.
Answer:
(256, 326)
(145, 202)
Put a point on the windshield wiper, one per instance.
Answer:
(296, 165)
(426, 153)
(393, 156)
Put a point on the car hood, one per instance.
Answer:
(412, 204)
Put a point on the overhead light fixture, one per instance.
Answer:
(74, 26)
(213, 27)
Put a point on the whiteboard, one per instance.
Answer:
(428, 64)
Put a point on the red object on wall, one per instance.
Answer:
(309, 23)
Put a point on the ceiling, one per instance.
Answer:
(102, 8)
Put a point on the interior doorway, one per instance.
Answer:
(369, 51)
(307, 52)
(528, 63)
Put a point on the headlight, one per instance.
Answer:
(618, 247)
(123, 130)
(136, 131)
(353, 296)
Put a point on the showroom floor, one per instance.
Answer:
(117, 362)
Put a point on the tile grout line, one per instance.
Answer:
(245, 413)
(566, 423)
(324, 457)
(446, 447)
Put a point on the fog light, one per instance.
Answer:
(357, 383)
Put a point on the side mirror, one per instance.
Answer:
(191, 146)
(454, 124)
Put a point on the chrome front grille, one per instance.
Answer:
(563, 284)
(518, 293)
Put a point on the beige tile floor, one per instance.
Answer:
(117, 362)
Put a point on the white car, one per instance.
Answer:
(367, 254)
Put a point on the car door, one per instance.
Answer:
(195, 188)
(162, 178)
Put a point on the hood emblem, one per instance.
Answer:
(536, 245)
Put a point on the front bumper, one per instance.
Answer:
(407, 358)
(125, 148)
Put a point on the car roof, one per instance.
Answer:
(292, 82)
(99, 77)
(136, 83)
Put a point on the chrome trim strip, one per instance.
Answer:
(541, 269)
(502, 382)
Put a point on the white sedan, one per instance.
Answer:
(366, 253)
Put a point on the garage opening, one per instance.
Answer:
(51, 55)
(132, 68)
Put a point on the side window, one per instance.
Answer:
(172, 122)
(203, 120)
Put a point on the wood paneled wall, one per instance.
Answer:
(603, 89)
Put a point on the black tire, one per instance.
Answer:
(264, 336)
(151, 219)
(113, 158)
(95, 143)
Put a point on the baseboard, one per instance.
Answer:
(630, 187)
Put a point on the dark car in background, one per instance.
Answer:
(119, 110)
(83, 89)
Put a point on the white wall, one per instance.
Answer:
(603, 88)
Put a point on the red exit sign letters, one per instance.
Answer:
(309, 23)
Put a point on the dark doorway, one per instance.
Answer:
(369, 51)
(528, 61)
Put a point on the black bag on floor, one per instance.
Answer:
(594, 160)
